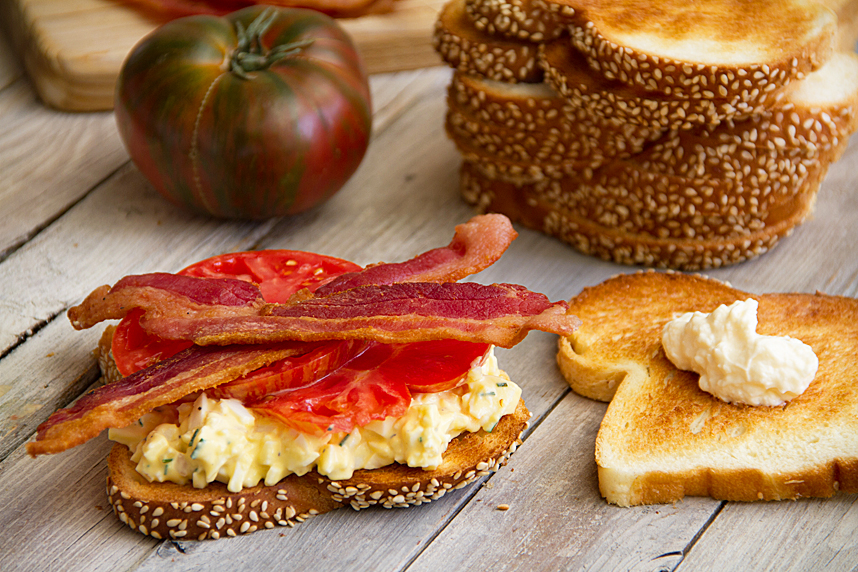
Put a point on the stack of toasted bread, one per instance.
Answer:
(671, 134)
(663, 437)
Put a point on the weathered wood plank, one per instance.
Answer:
(809, 534)
(50, 160)
(556, 518)
(55, 515)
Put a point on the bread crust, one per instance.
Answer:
(663, 438)
(469, 50)
(168, 510)
(706, 49)
(703, 245)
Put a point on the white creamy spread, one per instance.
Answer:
(735, 363)
(222, 440)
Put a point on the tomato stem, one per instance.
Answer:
(250, 55)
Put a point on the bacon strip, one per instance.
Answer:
(500, 314)
(162, 294)
(123, 402)
(476, 245)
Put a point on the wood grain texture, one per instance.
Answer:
(811, 534)
(50, 160)
(73, 49)
(556, 519)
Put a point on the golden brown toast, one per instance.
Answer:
(663, 438)
(168, 510)
(706, 48)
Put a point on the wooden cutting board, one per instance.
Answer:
(73, 49)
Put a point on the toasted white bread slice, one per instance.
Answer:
(533, 20)
(469, 50)
(169, 510)
(663, 438)
(708, 48)
(707, 244)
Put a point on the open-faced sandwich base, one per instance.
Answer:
(168, 510)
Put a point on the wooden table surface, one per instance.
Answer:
(75, 214)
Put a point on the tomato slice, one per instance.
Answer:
(429, 367)
(291, 373)
(133, 349)
(278, 273)
(376, 384)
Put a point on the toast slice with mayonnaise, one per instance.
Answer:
(663, 438)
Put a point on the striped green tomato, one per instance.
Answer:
(264, 112)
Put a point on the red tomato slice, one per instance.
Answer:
(133, 349)
(278, 273)
(376, 384)
(291, 373)
(429, 367)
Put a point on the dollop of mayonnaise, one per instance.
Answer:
(735, 363)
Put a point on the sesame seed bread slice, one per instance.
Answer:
(707, 48)
(567, 71)
(168, 510)
(819, 113)
(625, 194)
(518, 106)
(521, 122)
(690, 247)
(467, 49)
(663, 438)
(532, 20)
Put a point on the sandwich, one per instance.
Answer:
(258, 389)
(667, 434)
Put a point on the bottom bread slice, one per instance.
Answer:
(168, 510)
(663, 438)
(586, 235)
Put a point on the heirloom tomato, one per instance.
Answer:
(264, 112)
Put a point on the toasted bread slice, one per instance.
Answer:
(168, 510)
(663, 438)
(705, 49)
(467, 49)
(533, 123)
(704, 246)
(532, 20)
(566, 70)
(819, 113)
(628, 195)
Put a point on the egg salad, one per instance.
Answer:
(221, 440)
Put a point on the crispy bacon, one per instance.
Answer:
(125, 401)
(500, 314)
(476, 245)
(162, 294)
